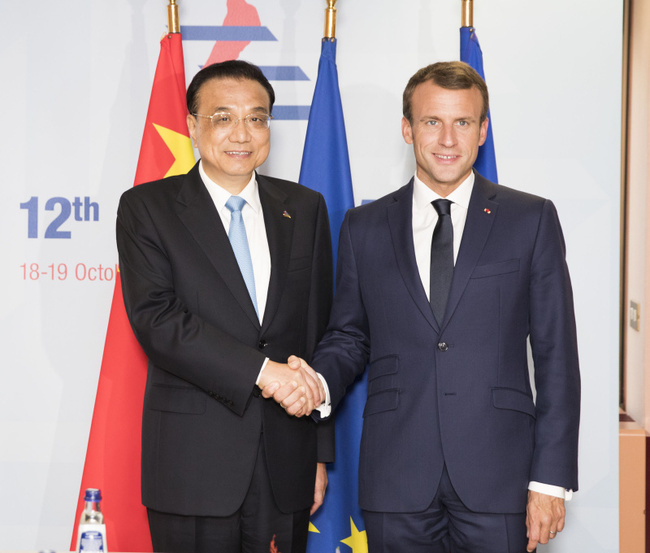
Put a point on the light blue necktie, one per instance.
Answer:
(239, 243)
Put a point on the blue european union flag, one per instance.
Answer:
(325, 161)
(470, 53)
(326, 168)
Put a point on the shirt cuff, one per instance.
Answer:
(259, 375)
(548, 489)
(325, 408)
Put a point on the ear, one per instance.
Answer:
(191, 126)
(483, 132)
(407, 131)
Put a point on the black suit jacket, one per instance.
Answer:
(190, 310)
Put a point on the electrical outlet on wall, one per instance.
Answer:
(634, 315)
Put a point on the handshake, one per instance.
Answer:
(295, 386)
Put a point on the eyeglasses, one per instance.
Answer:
(222, 120)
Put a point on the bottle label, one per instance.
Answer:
(91, 540)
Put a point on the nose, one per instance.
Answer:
(448, 136)
(240, 132)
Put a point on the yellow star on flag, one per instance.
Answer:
(312, 528)
(358, 541)
(181, 148)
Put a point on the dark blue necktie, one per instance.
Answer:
(442, 259)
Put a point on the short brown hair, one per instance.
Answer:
(452, 75)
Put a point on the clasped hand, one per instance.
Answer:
(295, 386)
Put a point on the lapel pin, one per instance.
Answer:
(487, 211)
(285, 214)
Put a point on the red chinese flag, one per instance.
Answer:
(113, 454)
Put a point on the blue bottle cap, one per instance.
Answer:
(93, 494)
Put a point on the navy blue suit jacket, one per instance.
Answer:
(458, 394)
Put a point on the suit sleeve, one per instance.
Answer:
(174, 338)
(320, 304)
(555, 354)
(343, 353)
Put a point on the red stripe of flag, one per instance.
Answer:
(113, 454)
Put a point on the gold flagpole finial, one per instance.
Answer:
(468, 13)
(173, 22)
(330, 20)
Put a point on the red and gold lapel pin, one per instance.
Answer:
(285, 214)
(486, 211)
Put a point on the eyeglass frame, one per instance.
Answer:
(237, 120)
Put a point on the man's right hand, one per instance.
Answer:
(294, 386)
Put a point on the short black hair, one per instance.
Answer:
(231, 69)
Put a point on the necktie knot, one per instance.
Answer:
(235, 203)
(442, 207)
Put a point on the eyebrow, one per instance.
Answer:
(258, 109)
(437, 118)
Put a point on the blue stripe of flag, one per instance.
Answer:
(470, 53)
(226, 32)
(290, 113)
(283, 73)
(326, 168)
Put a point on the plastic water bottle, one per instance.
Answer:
(92, 530)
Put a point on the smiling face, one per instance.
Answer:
(446, 132)
(230, 156)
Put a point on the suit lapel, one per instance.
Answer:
(400, 221)
(279, 231)
(198, 213)
(481, 213)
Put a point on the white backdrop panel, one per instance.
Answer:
(77, 79)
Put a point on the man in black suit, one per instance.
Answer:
(224, 469)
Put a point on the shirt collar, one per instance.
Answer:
(423, 195)
(220, 195)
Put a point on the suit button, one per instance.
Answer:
(262, 344)
(443, 346)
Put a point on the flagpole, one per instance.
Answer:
(330, 20)
(468, 13)
(173, 22)
(470, 53)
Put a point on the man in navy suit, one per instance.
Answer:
(457, 452)
(224, 469)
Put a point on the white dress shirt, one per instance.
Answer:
(425, 218)
(253, 216)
